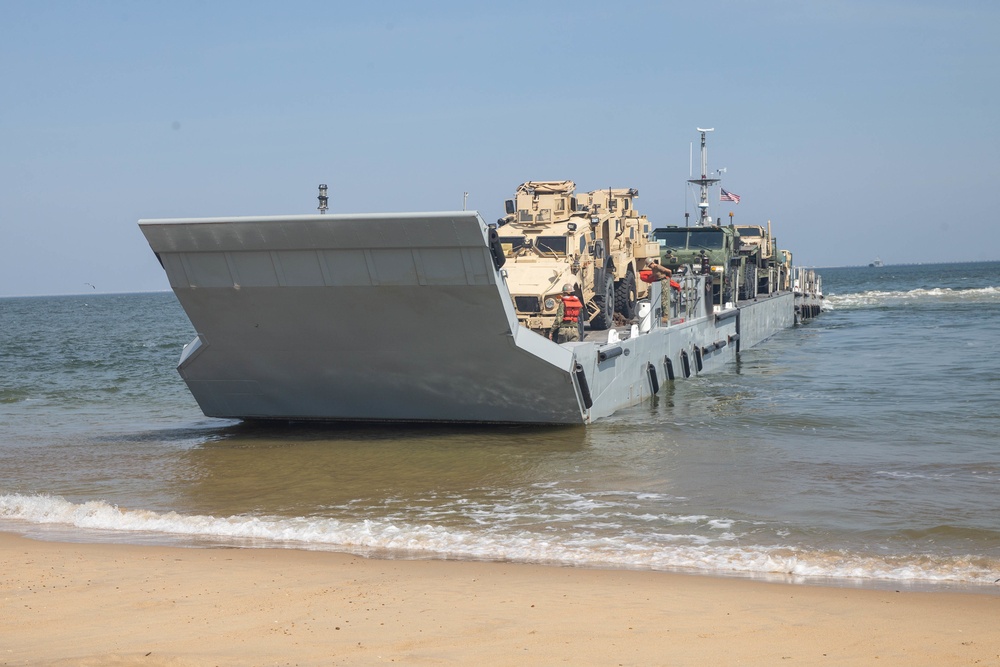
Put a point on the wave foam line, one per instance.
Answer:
(624, 551)
(937, 294)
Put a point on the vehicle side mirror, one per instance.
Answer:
(509, 206)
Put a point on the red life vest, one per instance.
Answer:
(571, 308)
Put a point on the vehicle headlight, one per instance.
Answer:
(550, 303)
(717, 269)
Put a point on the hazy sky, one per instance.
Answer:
(860, 128)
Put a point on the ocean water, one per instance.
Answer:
(860, 449)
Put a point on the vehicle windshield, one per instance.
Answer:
(748, 231)
(511, 243)
(691, 238)
(551, 244)
(670, 238)
(709, 239)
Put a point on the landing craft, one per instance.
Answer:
(412, 316)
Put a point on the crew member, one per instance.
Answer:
(566, 327)
(661, 273)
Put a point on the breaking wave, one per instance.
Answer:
(937, 295)
(388, 538)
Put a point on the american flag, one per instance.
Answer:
(728, 196)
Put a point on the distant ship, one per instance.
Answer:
(876, 264)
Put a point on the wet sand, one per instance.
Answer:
(101, 604)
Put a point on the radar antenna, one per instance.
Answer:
(704, 182)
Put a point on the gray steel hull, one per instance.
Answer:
(404, 317)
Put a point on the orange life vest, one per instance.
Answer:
(571, 308)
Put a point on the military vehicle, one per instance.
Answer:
(595, 241)
(784, 270)
(758, 246)
(713, 246)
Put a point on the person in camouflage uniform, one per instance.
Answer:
(566, 327)
(662, 274)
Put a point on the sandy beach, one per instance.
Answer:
(100, 604)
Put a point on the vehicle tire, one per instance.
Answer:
(748, 289)
(606, 304)
(626, 296)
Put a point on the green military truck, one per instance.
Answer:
(714, 246)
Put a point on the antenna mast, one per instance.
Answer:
(704, 181)
(323, 199)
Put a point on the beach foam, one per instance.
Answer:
(97, 519)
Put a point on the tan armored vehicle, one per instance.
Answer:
(784, 270)
(758, 246)
(596, 242)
